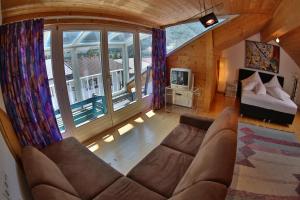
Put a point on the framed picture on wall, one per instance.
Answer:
(262, 56)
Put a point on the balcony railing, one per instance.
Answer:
(91, 109)
(84, 111)
(94, 105)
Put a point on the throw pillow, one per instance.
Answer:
(250, 82)
(278, 93)
(273, 82)
(260, 89)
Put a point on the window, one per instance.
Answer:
(83, 73)
(122, 69)
(180, 34)
(146, 63)
(85, 79)
(48, 60)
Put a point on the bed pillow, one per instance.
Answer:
(273, 82)
(260, 89)
(250, 82)
(278, 93)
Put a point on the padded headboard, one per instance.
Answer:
(265, 77)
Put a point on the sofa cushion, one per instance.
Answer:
(88, 174)
(47, 192)
(205, 190)
(228, 119)
(39, 169)
(185, 138)
(127, 189)
(214, 162)
(161, 170)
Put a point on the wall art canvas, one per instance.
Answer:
(262, 56)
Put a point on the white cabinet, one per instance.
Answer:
(183, 97)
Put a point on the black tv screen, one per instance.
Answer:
(180, 78)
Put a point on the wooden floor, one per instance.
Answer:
(125, 145)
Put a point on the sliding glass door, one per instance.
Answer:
(83, 75)
(146, 63)
(98, 77)
(122, 69)
(49, 68)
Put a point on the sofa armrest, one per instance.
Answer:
(196, 121)
(204, 190)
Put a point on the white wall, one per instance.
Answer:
(235, 59)
(16, 181)
(17, 187)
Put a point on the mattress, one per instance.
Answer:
(269, 102)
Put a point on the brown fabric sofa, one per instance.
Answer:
(195, 161)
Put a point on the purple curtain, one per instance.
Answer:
(159, 59)
(24, 83)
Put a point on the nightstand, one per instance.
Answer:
(231, 89)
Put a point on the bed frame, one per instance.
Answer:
(258, 112)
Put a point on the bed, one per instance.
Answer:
(265, 107)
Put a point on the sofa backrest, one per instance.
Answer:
(40, 170)
(228, 119)
(214, 160)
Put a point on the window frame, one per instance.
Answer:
(140, 52)
(227, 19)
(60, 80)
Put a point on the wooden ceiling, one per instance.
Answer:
(238, 29)
(285, 24)
(153, 13)
(291, 44)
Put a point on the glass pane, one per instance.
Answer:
(90, 38)
(146, 63)
(119, 37)
(179, 34)
(83, 71)
(121, 65)
(48, 60)
(69, 37)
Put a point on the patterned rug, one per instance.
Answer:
(267, 165)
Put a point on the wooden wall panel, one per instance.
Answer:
(202, 55)
(238, 29)
(198, 57)
(148, 12)
(285, 19)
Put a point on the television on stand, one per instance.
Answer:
(181, 78)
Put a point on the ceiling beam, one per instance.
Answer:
(285, 19)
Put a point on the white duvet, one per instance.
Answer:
(268, 102)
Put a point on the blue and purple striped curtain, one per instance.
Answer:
(159, 63)
(24, 83)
